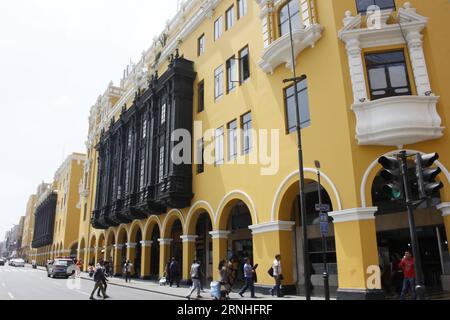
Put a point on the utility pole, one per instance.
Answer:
(295, 79)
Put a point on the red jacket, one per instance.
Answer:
(408, 268)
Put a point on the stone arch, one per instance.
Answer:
(224, 209)
(290, 180)
(198, 208)
(82, 244)
(134, 229)
(122, 235)
(169, 220)
(101, 240)
(373, 169)
(110, 237)
(93, 241)
(149, 226)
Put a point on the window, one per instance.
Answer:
(247, 132)
(303, 101)
(219, 146)
(242, 8)
(201, 45)
(229, 18)
(218, 82)
(218, 28)
(161, 163)
(127, 175)
(163, 113)
(293, 8)
(142, 172)
(232, 140)
(231, 74)
(244, 65)
(200, 155)
(144, 129)
(201, 96)
(388, 75)
(363, 5)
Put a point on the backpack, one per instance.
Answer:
(270, 272)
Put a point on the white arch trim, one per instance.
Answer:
(158, 222)
(173, 211)
(375, 163)
(191, 213)
(222, 202)
(295, 173)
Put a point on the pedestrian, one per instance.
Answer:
(99, 276)
(409, 280)
(91, 270)
(174, 273)
(127, 270)
(249, 272)
(278, 276)
(104, 278)
(196, 275)
(224, 278)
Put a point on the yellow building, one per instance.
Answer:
(67, 216)
(28, 228)
(375, 83)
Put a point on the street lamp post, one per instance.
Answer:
(323, 216)
(295, 79)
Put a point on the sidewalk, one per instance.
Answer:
(181, 292)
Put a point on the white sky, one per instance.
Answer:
(56, 58)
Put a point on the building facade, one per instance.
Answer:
(28, 228)
(374, 84)
(67, 216)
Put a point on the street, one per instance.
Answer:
(29, 284)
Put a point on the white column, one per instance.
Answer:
(419, 66)
(189, 238)
(220, 234)
(356, 69)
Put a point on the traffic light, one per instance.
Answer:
(426, 175)
(393, 176)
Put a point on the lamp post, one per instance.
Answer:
(324, 231)
(295, 79)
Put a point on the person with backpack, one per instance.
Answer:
(104, 279)
(99, 276)
(195, 276)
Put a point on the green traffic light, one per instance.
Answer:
(393, 191)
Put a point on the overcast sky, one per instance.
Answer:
(56, 58)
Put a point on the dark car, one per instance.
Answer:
(2, 262)
(61, 268)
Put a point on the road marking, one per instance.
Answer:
(10, 295)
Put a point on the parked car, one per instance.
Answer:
(61, 268)
(2, 262)
(19, 263)
(11, 262)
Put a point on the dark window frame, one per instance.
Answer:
(390, 91)
(201, 44)
(244, 62)
(231, 83)
(286, 97)
(245, 128)
(201, 96)
(229, 11)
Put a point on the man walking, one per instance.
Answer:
(98, 278)
(174, 273)
(104, 279)
(409, 273)
(195, 276)
(127, 270)
(249, 272)
(278, 275)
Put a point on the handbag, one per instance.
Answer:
(270, 272)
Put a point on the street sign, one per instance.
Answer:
(323, 207)
(324, 224)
